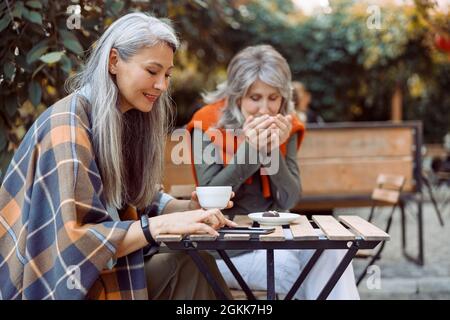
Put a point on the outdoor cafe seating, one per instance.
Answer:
(345, 232)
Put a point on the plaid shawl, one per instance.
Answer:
(56, 236)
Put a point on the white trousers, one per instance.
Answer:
(288, 265)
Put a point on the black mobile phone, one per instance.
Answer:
(250, 230)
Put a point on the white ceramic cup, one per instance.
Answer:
(216, 197)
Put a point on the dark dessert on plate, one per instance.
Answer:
(271, 214)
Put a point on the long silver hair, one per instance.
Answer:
(129, 147)
(260, 62)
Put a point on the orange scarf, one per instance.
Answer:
(206, 120)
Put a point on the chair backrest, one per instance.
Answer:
(388, 188)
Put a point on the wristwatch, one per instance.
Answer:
(145, 225)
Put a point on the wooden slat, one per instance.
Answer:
(277, 235)
(351, 175)
(332, 228)
(202, 237)
(390, 196)
(169, 237)
(394, 182)
(361, 142)
(365, 229)
(243, 220)
(236, 236)
(302, 230)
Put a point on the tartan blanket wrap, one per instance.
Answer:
(56, 237)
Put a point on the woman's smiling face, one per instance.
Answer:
(261, 99)
(143, 78)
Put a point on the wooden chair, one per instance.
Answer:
(387, 192)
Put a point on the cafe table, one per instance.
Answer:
(321, 233)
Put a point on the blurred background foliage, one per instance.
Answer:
(352, 70)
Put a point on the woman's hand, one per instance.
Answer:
(284, 124)
(256, 129)
(189, 222)
(194, 204)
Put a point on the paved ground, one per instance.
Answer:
(400, 278)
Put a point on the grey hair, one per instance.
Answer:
(260, 62)
(129, 147)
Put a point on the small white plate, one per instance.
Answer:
(284, 218)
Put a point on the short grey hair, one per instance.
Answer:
(131, 172)
(260, 62)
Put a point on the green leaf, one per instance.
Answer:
(117, 7)
(32, 16)
(52, 57)
(66, 64)
(37, 51)
(74, 46)
(9, 68)
(65, 34)
(4, 22)
(34, 92)
(18, 10)
(34, 4)
(114, 6)
(70, 41)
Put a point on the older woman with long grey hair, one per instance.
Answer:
(254, 112)
(80, 204)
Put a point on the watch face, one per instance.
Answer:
(144, 221)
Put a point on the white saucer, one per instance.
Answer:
(284, 218)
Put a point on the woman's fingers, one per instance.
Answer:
(223, 221)
(200, 227)
(248, 121)
(214, 222)
(259, 122)
(281, 122)
(264, 137)
(264, 124)
(230, 223)
(196, 221)
(219, 216)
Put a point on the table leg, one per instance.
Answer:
(270, 275)
(312, 261)
(339, 271)
(248, 292)
(207, 274)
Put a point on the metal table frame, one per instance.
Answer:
(221, 245)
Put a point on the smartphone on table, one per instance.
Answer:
(246, 230)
